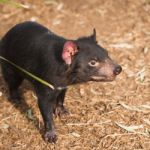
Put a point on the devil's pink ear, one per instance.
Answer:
(69, 50)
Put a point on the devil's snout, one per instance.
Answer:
(117, 70)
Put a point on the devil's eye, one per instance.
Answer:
(93, 63)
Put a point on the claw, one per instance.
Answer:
(50, 136)
(61, 112)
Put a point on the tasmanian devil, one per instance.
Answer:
(57, 60)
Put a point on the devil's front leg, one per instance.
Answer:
(46, 102)
(60, 109)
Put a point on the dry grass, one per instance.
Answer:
(113, 116)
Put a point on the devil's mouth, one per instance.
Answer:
(102, 78)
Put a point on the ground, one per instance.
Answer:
(113, 116)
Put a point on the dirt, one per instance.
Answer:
(113, 116)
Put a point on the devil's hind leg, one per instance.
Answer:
(13, 80)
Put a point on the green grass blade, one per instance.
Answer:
(28, 73)
(19, 5)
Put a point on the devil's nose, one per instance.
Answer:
(117, 70)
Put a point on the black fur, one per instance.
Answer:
(39, 51)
